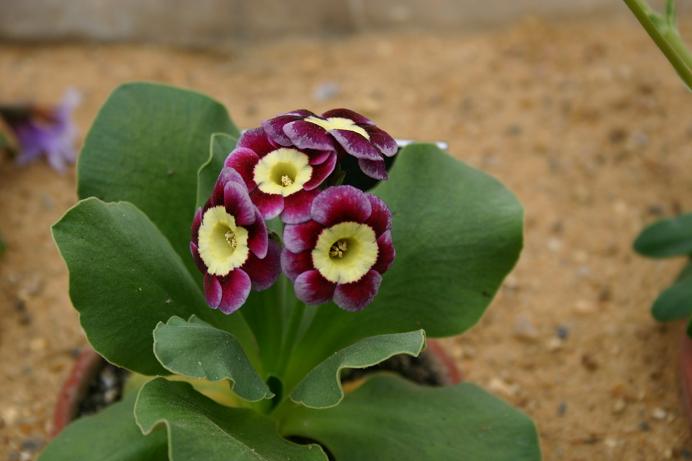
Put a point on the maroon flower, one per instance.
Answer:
(342, 251)
(340, 130)
(281, 180)
(230, 245)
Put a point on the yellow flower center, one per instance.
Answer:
(345, 252)
(222, 245)
(338, 123)
(282, 172)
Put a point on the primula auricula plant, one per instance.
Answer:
(237, 275)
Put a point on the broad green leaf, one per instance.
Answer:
(667, 237)
(125, 278)
(200, 429)
(321, 388)
(145, 147)
(221, 145)
(675, 302)
(389, 419)
(457, 233)
(196, 349)
(108, 435)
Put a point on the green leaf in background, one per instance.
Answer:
(196, 349)
(145, 147)
(200, 429)
(3, 246)
(109, 435)
(457, 233)
(667, 237)
(321, 388)
(390, 419)
(125, 278)
(675, 302)
(221, 145)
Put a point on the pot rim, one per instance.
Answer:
(89, 363)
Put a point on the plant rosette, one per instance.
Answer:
(670, 238)
(261, 263)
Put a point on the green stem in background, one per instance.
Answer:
(663, 30)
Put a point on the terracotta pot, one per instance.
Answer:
(89, 363)
(686, 374)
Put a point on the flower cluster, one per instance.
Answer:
(337, 239)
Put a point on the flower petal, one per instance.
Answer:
(294, 264)
(311, 288)
(381, 218)
(341, 203)
(321, 172)
(236, 288)
(297, 206)
(243, 160)
(355, 296)
(258, 237)
(196, 222)
(274, 127)
(382, 140)
(301, 237)
(212, 290)
(264, 272)
(356, 144)
(306, 135)
(197, 258)
(256, 140)
(227, 175)
(376, 169)
(270, 205)
(237, 202)
(349, 114)
(385, 252)
(319, 156)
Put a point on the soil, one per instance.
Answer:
(584, 121)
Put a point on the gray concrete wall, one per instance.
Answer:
(204, 22)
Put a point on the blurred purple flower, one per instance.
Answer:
(44, 131)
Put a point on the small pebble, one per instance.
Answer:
(524, 328)
(611, 443)
(619, 406)
(554, 244)
(659, 413)
(562, 332)
(32, 444)
(562, 409)
(554, 344)
(500, 386)
(584, 307)
(325, 91)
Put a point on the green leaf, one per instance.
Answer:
(457, 233)
(675, 302)
(321, 388)
(108, 435)
(221, 145)
(145, 147)
(125, 278)
(200, 429)
(389, 419)
(196, 349)
(667, 237)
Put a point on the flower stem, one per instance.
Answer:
(290, 337)
(664, 32)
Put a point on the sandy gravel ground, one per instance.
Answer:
(585, 121)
